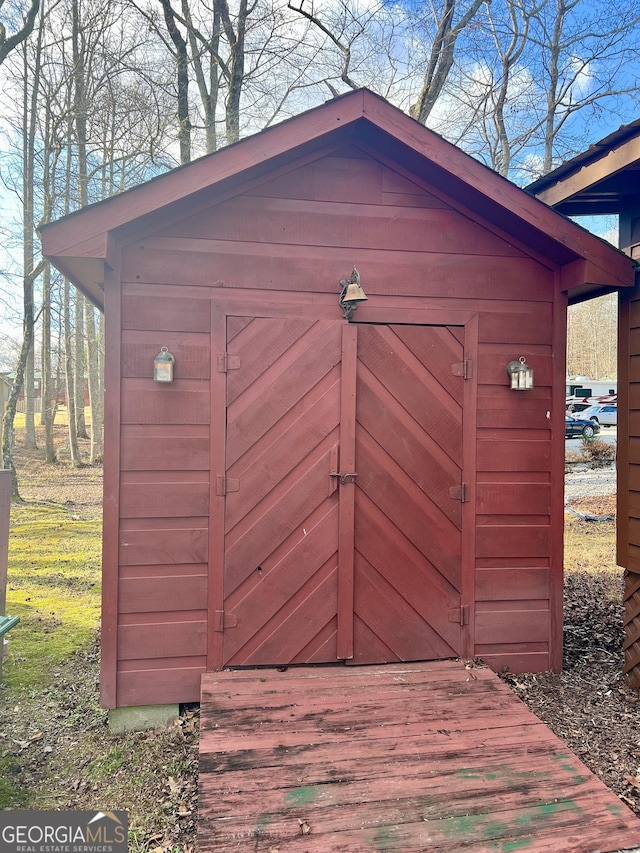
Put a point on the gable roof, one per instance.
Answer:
(599, 180)
(79, 244)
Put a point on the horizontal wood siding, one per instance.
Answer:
(514, 522)
(288, 242)
(164, 496)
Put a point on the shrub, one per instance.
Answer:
(598, 453)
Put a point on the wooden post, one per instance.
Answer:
(5, 509)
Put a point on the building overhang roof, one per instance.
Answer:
(81, 245)
(601, 180)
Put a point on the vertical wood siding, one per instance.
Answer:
(288, 242)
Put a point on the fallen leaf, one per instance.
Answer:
(175, 785)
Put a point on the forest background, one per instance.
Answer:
(100, 95)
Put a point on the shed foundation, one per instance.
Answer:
(141, 717)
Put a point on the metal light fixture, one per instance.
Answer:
(163, 366)
(352, 294)
(521, 375)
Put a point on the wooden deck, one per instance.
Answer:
(402, 757)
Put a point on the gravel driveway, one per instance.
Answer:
(583, 484)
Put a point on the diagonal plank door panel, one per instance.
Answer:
(407, 527)
(415, 387)
(281, 524)
(302, 397)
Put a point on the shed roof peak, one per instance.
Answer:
(80, 243)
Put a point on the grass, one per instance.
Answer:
(56, 751)
(106, 766)
(590, 546)
(54, 587)
(62, 417)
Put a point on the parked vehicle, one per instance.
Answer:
(606, 415)
(574, 404)
(582, 386)
(583, 392)
(578, 427)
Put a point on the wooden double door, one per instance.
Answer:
(343, 484)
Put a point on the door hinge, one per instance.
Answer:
(459, 614)
(228, 362)
(459, 493)
(463, 368)
(222, 620)
(224, 485)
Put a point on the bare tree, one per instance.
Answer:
(342, 37)
(191, 43)
(591, 340)
(30, 272)
(10, 42)
(585, 58)
(448, 29)
(182, 80)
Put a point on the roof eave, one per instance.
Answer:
(83, 236)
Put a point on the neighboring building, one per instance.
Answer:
(311, 489)
(606, 180)
(58, 393)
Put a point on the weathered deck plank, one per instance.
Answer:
(404, 757)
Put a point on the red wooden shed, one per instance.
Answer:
(311, 489)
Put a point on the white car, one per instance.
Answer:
(606, 415)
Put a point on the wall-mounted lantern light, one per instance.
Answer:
(521, 375)
(163, 366)
(352, 294)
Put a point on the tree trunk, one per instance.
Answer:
(441, 58)
(29, 273)
(9, 43)
(10, 410)
(29, 402)
(30, 106)
(48, 396)
(182, 71)
(210, 88)
(95, 398)
(552, 86)
(78, 365)
(49, 387)
(80, 123)
(74, 451)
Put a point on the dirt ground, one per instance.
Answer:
(588, 705)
